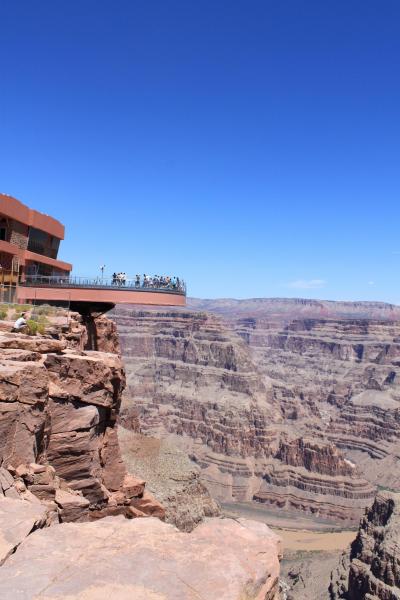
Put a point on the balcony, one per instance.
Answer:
(83, 293)
(152, 284)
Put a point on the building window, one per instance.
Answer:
(3, 230)
(41, 242)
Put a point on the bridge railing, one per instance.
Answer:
(176, 286)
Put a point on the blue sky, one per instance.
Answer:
(252, 147)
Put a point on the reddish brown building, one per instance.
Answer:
(31, 271)
(29, 242)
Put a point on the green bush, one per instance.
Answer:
(3, 314)
(33, 327)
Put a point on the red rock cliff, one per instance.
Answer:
(59, 408)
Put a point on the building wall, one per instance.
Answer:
(19, 235)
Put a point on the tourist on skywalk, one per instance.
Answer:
(121, 278)
(114, 279)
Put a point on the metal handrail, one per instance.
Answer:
(159, 284)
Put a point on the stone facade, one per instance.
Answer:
(19, 235)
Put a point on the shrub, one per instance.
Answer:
(3, 314)
(33, 327)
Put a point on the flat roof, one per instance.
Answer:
(14, 209)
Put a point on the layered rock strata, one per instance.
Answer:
(58, 438)
(145, 559)
(197, 381)
(371, 570)
(314, 477)
(338, 380)
(188, 375)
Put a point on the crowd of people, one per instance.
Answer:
(119, 279)
(147, 281)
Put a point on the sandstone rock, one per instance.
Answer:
(132, 486)
(149, 505)
(135, 512)
(306, 575)
(32, 344)
(145, 559)
(92, 379)
(371, 571)
(58, 424)
(6, 481)
(73, 507)
(170, 476)
(20, 355)
(17, 520)
(315, 456)
(36, 469)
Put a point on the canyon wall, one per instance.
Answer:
(337, 380)
(199, 380)
(371, 570)
(58, 435)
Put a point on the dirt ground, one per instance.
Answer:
(313, 541)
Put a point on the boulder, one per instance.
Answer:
(72, 507)
(18, 519)
(145, 559)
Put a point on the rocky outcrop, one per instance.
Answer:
(58, 438)
(18, 519)
(145, 559)
(87, 332)
(170, 476)
(324, 459)
(314, 477)
(307, 575)
(371, 571)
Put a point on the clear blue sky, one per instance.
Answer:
(252, 147)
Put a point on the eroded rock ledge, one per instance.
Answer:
(371, 571)
(58, 438)
(145, 559)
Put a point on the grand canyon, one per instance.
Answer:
(261, 433)
(289, 408)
